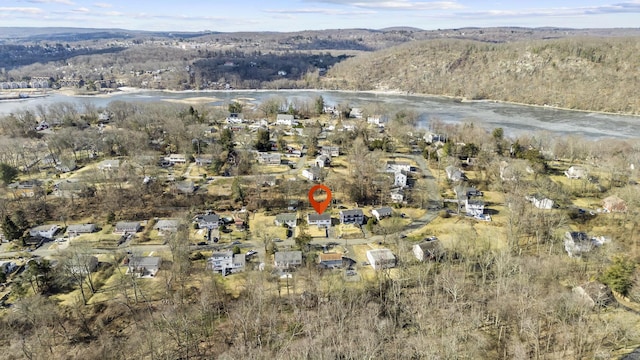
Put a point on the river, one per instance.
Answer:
(514, 119)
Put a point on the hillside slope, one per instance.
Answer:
(590, 73)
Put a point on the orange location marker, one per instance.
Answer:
(320, 206)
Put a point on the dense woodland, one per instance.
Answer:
(576, 73)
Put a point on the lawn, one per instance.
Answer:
(348, 231)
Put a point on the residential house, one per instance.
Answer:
(454, 174)
(382, 212)
(614, 204)
(267, 180)
(109, 164)
(355, 113)
(127, 227)
(465, 192)
(287, 259)
(77, 229)
(381, 259)
(8, 267)
(186, 187)
(44, 231)
(429, 249)
(286, 120)
(401, 179)
(269, 158)
(330, 260)
(234, 118)
(397, 195)
(576, 172)
(577, 243)
(353, 216)
(332, 151)
(291, 220)
(320, 220)
(540, 202)
(292, 205)
(397, 166)
(70, 188)
(176, 159)
(167, 225)
(144, 266)
(474, 207)
(207, 221)
(225, 262)
(204, 160)
(433, 138)
(323, 161)
(104, 117)
(375, 120)
(313, 173)
(82, 265)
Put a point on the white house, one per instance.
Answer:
(381, 259)
(313, 173)
(454, 174)
(127, 227)
(382, 212)
(286, 120)
(323, 161)
(45, 231)
(207, 221)
(225, 262)
(397, 195)
(474, 207)
(400, 179)
(540, 202)
(176, 159)
(375, 120)
(234, 118)
(576, 172)
(397, 166)
(320, 220)
(109, 164)
(290, 219)
(332, 151)
(269, 158)
(167, 225)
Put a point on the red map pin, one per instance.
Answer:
(320, 206)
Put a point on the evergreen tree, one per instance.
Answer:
(10, 229)
(8, 173)
(262, 141)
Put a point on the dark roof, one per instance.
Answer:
(318, 217)
(352, 212)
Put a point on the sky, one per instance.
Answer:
(296, 15)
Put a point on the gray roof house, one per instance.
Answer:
(382, 212)
(353, 216)
(167, 225)
(76, 229)
(144, 266)
(109, 164)
(454, 174)
(313, 173)
(290, 219)
(207, 221)
(577, 243)
(287, 259)
(320, 220)
(381, 258)
(44, 231)
(124, 227)
(430, 249)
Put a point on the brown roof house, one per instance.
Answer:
(614, 204)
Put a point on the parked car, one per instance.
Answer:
(236, 242)
(251, 253)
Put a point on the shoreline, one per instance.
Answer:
(395, 92)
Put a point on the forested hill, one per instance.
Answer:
(588, 73)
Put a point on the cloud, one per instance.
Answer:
(64, 2)
(624, 7)
(24, 10)
(102, 5)
(81, 10)
(319, 11)
(406, 5)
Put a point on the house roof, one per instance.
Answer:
(614, 203)
(351, 212)
(127, 224)
(286, 217)
(208, 218)
(318, 217)
(381, 254)
(329, 257)
(167, 223)
(383, 210)
(284, 117)
(84, 228)
(288, 256)
(145, 261)
(427, 246)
